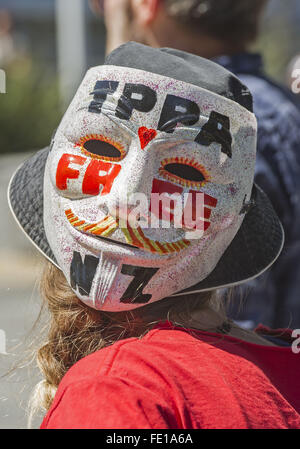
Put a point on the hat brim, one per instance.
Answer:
(254, 249)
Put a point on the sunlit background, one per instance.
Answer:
(45, 48)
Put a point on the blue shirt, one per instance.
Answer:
(274, 298)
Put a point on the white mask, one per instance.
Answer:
(118, 143)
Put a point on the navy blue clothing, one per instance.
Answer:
(274, 298)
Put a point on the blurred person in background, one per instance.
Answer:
(224, 30)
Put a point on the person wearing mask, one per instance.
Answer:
(224, 30)
(138, 336)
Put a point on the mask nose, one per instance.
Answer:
(133, 185)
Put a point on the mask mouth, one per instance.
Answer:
(135, 237)
(118, 243)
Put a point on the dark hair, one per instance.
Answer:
(227, 20)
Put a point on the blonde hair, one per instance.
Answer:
(76, 330)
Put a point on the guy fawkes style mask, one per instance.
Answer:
(148, 184)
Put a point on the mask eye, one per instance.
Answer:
(185, 172)
(101, 147)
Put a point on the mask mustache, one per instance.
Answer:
(134, 236)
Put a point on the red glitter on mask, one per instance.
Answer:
(146, 135)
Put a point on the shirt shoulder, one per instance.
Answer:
(152, 382)
(165, 349)
(116, 359)
(94, 393)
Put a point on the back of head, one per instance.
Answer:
(227, 20)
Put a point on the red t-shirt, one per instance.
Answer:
(174, 378)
